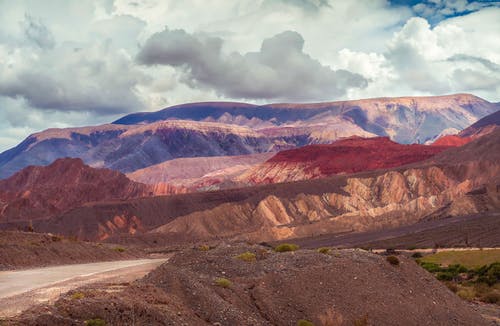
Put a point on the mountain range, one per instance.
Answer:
(256, 173)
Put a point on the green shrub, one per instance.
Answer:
(324, 250)
(77, 296)
(284, 247)
(119, 249)
(95, 322)
(247, 256)
(466, 294)
(304, 322)
(223, 282)
(431, 267)
(445, 276)
(204, 248)
(393, 260)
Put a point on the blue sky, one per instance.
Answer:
(70, 63)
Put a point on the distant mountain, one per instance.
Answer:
(343, 156)
(404, 119)
(40, 192)
(483, 126)
(231, 129)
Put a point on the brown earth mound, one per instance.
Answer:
(346, 287)
(26, 250)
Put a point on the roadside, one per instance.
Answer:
(20, 290)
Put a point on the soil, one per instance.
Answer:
(343, 287)
(27, 250)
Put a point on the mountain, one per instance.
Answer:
(451, 140)
(483, 126)
(349, 155)
(458, 181)
(404, 119)
(231, 129)
(40, 192)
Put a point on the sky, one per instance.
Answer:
(80, 62)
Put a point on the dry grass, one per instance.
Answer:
(467, 258)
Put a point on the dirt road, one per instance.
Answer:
(21, 289)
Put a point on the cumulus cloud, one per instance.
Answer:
(280, 70)
(437, 10)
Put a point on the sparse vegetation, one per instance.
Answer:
(95, 322)
(119, 249)
(305, 322)
(324, 250)
(467, 258)
(247, 256)
(56, 238)
(223, 282)
(204, 247)
(393, 260)
(469, 282)
(361, 321)
(77, 296)
(285, 247)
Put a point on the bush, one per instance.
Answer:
(77, 296)
(466, 294)
(284, 247)
(417, 255)
(247, 256)
(95, 322)
(445, 276)
(452, 286)
(491, 297)
(56, 238)
(304, 322)
(361, 321)
(324, 250)
(223, 282)
(119, 249)
(204, 248)
(431, 267)
(393, 260)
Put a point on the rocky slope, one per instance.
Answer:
(40, 192)
(459, 181)
(404, 119)
(220, 129)
(344, 156)
(344, 287)
(483, 126)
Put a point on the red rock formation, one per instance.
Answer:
(39, 192)
(349, 155)
(452, 140)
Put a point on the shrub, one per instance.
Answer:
(284, 247)
(77, 296)
(417, 255)
(491, 297)
(324, 250)
(95, 322)
(393, 260)
(119, 249)
(431, 267)
(361, 321)
(452, 286)
(466, 294)
(445, 276)
(247, 256)
(204, 248)
(223, 282)
(304, 322)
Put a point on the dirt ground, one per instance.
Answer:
(342, 287)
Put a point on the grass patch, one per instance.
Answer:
(204, 247)
(393, 260)
(223, 282)
(467, 258)
(305, 322)
(324, 250)
(95, 322)
(285, 247)
(247, 256)
(77, 296)
(119, 249)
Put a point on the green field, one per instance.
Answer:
(467, 258)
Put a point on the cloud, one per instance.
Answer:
(38, 33)
(280, 70)
(437, 10)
